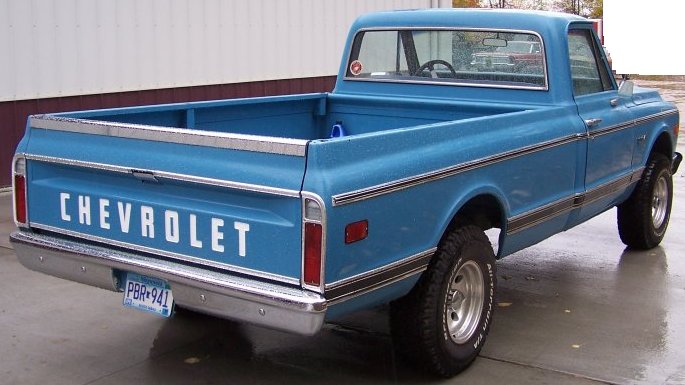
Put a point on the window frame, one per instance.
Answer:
(354, 49)
(601, 65)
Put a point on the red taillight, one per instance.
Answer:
(676, 129)
(20, 198)
(312, 253)
(356, 231)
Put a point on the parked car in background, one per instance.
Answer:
(510, 56)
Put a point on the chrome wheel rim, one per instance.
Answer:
(464, 302)
(659, 202)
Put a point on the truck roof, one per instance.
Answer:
(538, 21)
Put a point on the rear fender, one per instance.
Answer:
(462, 211)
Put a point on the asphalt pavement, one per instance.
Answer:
(575, 309)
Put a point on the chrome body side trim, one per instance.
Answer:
(534, 217)
(276, 306)
(545, 87)
(610, 129)
(169, 254)
(255, 143)
(631, 123)
(609, 188)
(658, 115)
(162, 175)
(401, 184)
(357, 285)
(541, 214)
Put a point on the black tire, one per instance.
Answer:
(425, 324)
(643, 218)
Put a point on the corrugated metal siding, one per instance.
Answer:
(56, 48)
(13, 114)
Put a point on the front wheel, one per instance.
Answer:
(643, 218)
(443, 322)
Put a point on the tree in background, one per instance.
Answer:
(588, 8)
(596, 9)
(539, 5)
(498, 3)
(465, 3)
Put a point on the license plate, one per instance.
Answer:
(148, 294)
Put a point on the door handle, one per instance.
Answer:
(593, 122)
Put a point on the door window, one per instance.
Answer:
(588, 71)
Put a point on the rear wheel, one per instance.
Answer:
(643, 218)
(443, 322)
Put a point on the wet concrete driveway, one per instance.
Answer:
(575, 309)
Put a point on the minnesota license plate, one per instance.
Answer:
(148, 294)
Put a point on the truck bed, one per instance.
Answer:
(303, 117)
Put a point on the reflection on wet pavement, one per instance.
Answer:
(605, 319)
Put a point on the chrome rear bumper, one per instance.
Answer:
(242, 299)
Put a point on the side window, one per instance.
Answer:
(587, 70)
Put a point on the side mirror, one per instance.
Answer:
(625, 90)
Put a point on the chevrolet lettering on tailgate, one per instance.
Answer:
(116, 216)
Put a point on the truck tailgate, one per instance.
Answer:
(228, 201)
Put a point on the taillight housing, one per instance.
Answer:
(312, 254)
(313, 242)
(20, 191)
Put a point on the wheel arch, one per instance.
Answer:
(485, 208)
(662, 145)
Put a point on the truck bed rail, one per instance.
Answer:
(255, 143)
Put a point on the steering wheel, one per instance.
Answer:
(430, 65)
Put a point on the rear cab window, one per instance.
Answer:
(486, 58)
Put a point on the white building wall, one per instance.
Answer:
(51, 48)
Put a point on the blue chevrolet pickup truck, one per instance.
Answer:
(288, 211)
